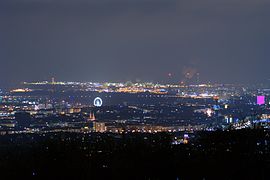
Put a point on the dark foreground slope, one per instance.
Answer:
(210, 155)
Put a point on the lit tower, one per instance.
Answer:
(53, 80)
(92, 117)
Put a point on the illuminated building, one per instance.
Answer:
(99, 127)
(260, 100)
(74, 110)
(92, 117)
(209, 112)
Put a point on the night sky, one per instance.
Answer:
(226, 41)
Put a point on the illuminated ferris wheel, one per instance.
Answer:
(98, 102)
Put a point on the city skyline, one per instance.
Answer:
(135, 89)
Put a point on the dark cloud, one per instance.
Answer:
(99, 40)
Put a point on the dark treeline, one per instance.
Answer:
(210, 155)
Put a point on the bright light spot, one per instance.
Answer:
(98, 102)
